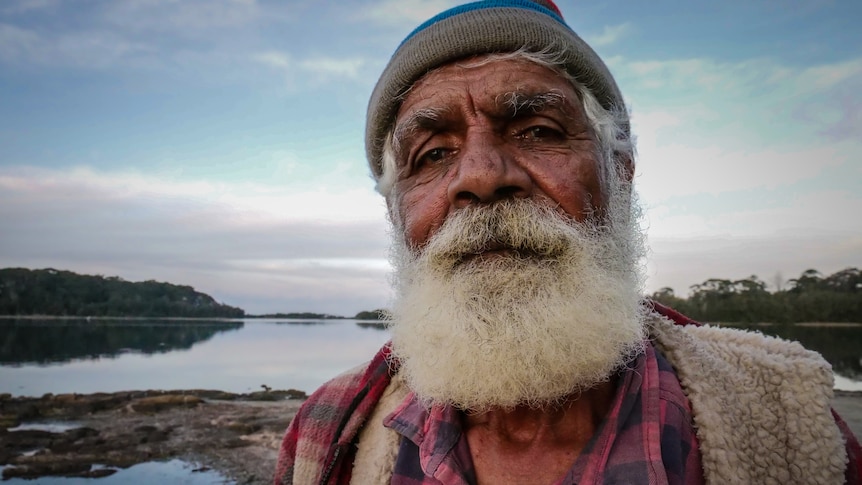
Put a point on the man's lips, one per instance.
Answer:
(492, 251)
(490, 254)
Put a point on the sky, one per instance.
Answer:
(219, 143)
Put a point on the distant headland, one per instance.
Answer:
(59, 293)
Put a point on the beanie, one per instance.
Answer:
(491, 26)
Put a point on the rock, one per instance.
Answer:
(99, 473)
(236, 434)
(275, 395)
(160, 403)
(27, 439)
(75, 434)
(9, 420)
(63, 468)
(243, 428)
(216, 395)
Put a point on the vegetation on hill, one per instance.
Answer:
(809, 298)
(64, 293)
(378, 314)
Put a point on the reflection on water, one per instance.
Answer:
(306, 322)
(49, 426)
(173, 471)
(58, 356)
(27, 341)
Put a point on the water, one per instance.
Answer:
(66, 356)
(154, 472)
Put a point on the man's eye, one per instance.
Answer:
(432, 156)
(540, 133)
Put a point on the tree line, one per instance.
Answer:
(811, 297)
(64, 293)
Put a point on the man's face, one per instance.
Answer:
(477, 135)
(516, 271)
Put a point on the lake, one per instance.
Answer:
(65, 356)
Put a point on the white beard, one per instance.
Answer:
(556, 316)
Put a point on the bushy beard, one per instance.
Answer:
(555, 313)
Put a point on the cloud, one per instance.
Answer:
(610, 34)
(682, 262)
(776, 81)
(135, 33)
(717, 127)
(680, 166)
(274, 59)
(333, 67)
(405, 13)
(762, 84)
(757, 214)
(246, 244)
(321, 67)
(90, 49)
(746, 167)
(187, 18)
(17, 43)
(14, 7)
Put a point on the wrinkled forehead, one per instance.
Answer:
(510, 85)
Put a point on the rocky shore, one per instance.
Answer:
(237, 435)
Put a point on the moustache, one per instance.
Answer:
(519, 228)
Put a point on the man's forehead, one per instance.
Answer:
(485, 72)
(496, 83)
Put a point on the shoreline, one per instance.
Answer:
(100, 317)
(235, 435)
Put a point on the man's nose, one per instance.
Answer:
(487, 172)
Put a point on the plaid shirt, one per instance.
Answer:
(646, 437)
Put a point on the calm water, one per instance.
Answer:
(166, 472)
(62, 356)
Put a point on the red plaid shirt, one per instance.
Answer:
(647, 437)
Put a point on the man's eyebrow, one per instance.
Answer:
(518, 103)
(425, 118)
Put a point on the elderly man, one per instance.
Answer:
(522, 352)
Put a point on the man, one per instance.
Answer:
(521, 350)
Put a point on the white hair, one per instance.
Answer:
(616, 144)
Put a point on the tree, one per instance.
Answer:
(64, 293)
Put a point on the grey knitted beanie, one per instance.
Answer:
(481, 28)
